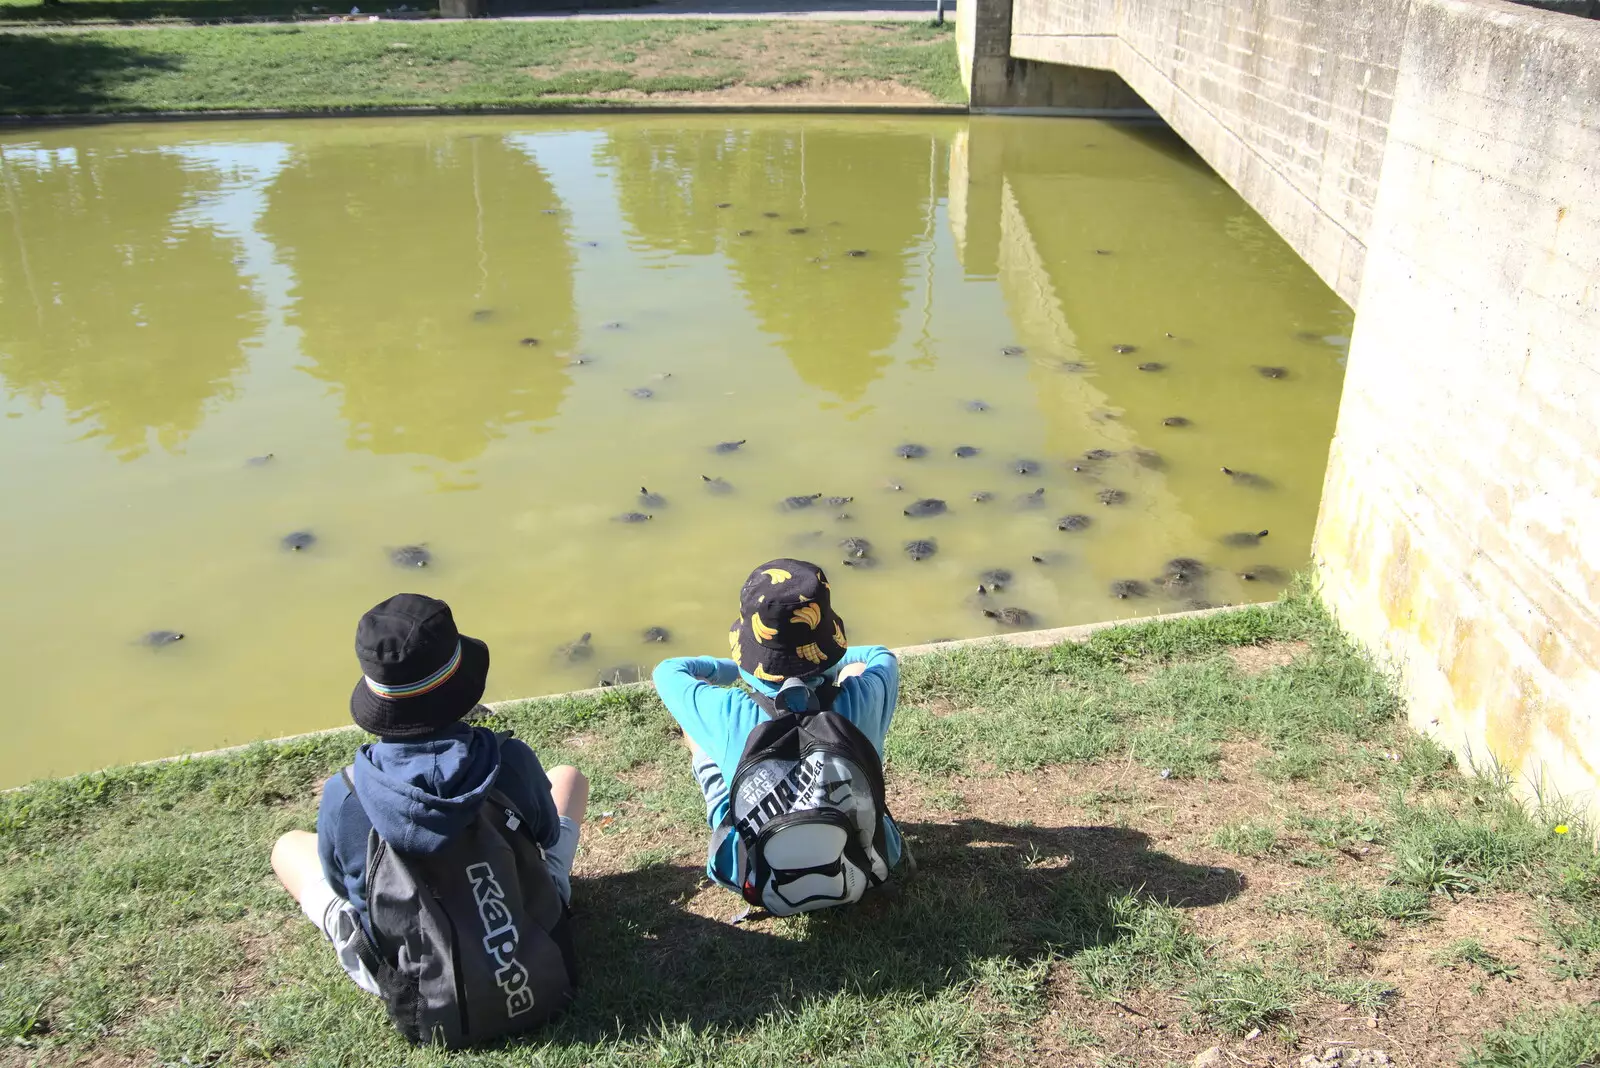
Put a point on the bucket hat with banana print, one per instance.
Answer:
(786, 627)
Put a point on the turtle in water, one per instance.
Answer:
(725, 204)
(1243, 539)
(580, 360)
(1010, 617)
(1102, 252)
(1072, 366)
(259, 461)
(1012, 350)
(977, 406)
(1247, 478)
(911, 452)
(1125, 350)
(1152, 366)
(835, 502)
(797, 229)
(1034, 499)
(728, 446)
(1043, 558)
(996, 578)
(894, 487)
(483, 315)
(621, 675)
(651, 500)
(1181, 575)
(921, 549)
(801, 501)
(298, 540)
(1074, 522)
(859, 548)
(615, 324)
(157, 638)
(925, 507)
(657, 634)
(634, 517)
(1149, 459)
(718, 486)
(1264, 573)
(574, 651)
(746, 233)
(642, 393)
(1095, 456)
(769, 215)
(1111, 496)
(411, 556)
(1122, 589)
(529, 342)
(590, 244)
(981, 496)
(550, 211)
(855, 253)
(1026, 467)
(1273, 372)
(860, 561)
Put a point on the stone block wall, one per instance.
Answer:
(1437, 162)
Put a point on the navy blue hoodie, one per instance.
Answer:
(417, 794)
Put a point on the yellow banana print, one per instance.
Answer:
(777, 575)
(812, 653)
(733, 644)
(764, 675)
(838, 635)
(762, 632)
(810, 615)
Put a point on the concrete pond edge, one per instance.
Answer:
(1030, 639)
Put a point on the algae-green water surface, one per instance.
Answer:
(359, 299)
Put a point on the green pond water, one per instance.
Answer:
(352, 298)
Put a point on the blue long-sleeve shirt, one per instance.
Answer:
(717, 718)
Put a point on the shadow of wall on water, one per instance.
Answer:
(982, 891)
(60, 73)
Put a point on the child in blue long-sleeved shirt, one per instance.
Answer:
(786, 630)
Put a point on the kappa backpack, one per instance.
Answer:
(472, 943)
(807, 802)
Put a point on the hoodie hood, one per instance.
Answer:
(419, 794)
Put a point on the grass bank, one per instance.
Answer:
(1180, 835)
(349, 67)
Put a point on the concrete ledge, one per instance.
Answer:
(600, 107)
(1032, 639)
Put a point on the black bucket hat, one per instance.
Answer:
(786, 626)
(419, 674)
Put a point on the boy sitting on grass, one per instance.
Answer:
(439, 826)
(791, 770)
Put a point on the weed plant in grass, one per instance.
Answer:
(1557, 1036)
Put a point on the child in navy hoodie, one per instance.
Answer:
(423, 779)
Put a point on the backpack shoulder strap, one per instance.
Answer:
(826, 694)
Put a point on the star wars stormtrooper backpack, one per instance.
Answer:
(807, 802)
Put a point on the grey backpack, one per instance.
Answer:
(472, 943)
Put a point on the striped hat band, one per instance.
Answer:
(422, 686)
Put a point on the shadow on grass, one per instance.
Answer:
(983, 893)
(70, 11)
(42, 73)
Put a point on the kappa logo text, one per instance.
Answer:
(500, 938)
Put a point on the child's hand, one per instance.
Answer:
(850, 671)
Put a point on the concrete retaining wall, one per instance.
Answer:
(1437, 162)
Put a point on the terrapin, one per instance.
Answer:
(925, 507)
(996, 578)
(911, 452)
(977, 406)
(651, 500)
(1152, 366)
(982, 496)
(1032, 500)
(1074, 522)
(657, 634)
(966, 452)
(1125, 350)
(718, 486)
(1273, 372)
(1111, 496)
(157, 638)
(803, 501)
(1012, 350)
(642, 393)
(1026, 467)
(621, 675)
(1247, 478)
(1243, 539)
(1175, 420)
(860, 548)
(728, 446)
(634, 517)
(574, 651)
(1010, 617)
(921, 549)
(1122, 589)
(298, 540)
(411, 556)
